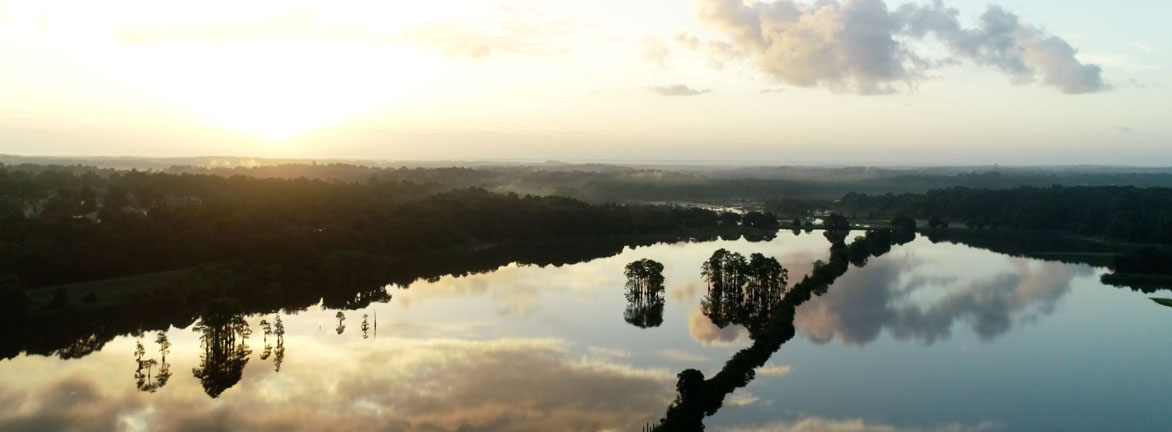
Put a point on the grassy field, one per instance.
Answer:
(107, 292)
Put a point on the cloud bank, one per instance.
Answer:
(860, 46)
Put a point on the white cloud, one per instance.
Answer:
(861, 46)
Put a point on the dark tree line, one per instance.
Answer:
(344, 280)
(1147, 269)
(50, 231)
(1124, 213)
(796, 186)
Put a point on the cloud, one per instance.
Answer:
(741, 398)
(462, 40)
(860, 46)
(514, 290)
(688, 40)
(720, 53)
(1005, 43)
(1123, 129)
(1141, 84)
(655, 51)
(863, 303)
(685, 291)
(774, 370)
(681, 356)
(432, 385)
(608, 353)
(704, 331)
(678, 90)
(771, 90)
(1119, 62)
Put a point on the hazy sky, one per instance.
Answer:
(853, 81)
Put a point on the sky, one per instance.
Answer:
(955, 82)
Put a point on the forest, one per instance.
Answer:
(1126, 213)
(601, 183)
(60, 227)
(73, 240)
(76, 238)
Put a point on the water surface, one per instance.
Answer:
(930, 336)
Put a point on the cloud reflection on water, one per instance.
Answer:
(820, 424)
(401, 384)
(924, 308)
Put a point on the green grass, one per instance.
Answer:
(107, 292)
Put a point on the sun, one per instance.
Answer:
(274, 72)
(287, 94)
(279, 91)
(280, 113)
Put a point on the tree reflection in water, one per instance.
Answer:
(277, 329)
(266, 331)
(644, 293)
(698, 397)
(741, 291)
(144, 375)
(223, 336)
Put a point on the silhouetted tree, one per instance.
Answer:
(697, 397)
(837, 228)
(645, 290)
(279, 353)
(730, 219)
(904, 229)
(223, 337)
(739, 291)
(766, 283)
(937, 222)
(266, 330)
(760, 220)
(145, 378)
(164, 374)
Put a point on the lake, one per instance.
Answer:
(929, 336)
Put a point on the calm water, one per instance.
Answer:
(926, 337)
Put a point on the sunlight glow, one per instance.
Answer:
(272, 72)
